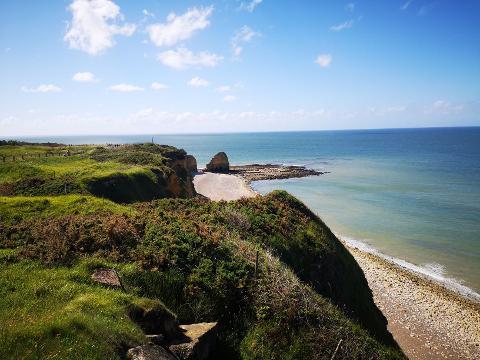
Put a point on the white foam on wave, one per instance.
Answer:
(432, 271)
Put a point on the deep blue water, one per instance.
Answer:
(413, 194)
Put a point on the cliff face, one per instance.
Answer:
(166, 173)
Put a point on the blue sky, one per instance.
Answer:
(165, 66)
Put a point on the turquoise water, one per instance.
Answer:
(412, 194)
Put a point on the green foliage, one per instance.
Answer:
(59, 313)
(19, 208)
(198, 258)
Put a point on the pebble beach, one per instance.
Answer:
(427, 320)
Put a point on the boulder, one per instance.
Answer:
(107, 277)
(149, 352)
(219, 163)
(196, 342)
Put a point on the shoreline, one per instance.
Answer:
(428, 319)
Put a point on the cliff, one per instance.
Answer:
(264, 272)
(126, 173)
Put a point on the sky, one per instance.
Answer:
(79, 67)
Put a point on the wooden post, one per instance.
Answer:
(336, 349)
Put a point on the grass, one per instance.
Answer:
(59, 313)
(21, 208)
(124, 174)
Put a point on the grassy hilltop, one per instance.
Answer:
(124, 174)
(187, 259)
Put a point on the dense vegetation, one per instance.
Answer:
(269, 271)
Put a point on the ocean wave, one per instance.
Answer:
(432, 271)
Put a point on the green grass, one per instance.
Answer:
(59, 313)
(20, 208)
(124, 174)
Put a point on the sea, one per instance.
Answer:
(409, 195)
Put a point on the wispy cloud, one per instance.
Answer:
(180, 27)
(198, 82)
(158, 86)
(324, 60)
(242, 36)
(94, 25)
(44, 88)
(86, 77)
(183, 58)
(345, 25)
(406, 5)
(223, 88)
(125, 88)
(148, 13)
(229, 98)
(425, 9)
(350, 7)
(250, 5)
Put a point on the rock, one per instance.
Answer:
(219, 163)
(156, 339)
(107, 277)
(196, 342)
(191, 164)
(149, 352)
(156, 320)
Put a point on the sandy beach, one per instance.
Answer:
(222, 186)
(427, 320)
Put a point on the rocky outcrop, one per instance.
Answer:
(256, 172)
(149, 352)
(196, 342)
(219, 163)
(191, 164)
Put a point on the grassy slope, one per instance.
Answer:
(59, 313)
(125, 174)
(197, 257)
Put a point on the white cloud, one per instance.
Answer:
(244, 35)
(44, 88)
(84, 77)
(346, 25)
(250, 6)
(94, 25)
(180, 27)
(324, 60)
(148, 13)
(125, 88)
(223, 88)
(183, 58)
(406, 5)
(229, 98)
(350, 7)
(198, 82)
(144, 113)
(443, 107)
(158, 86)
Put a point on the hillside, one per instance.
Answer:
(124, 173)
(277, 281)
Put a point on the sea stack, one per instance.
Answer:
(219, 163)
